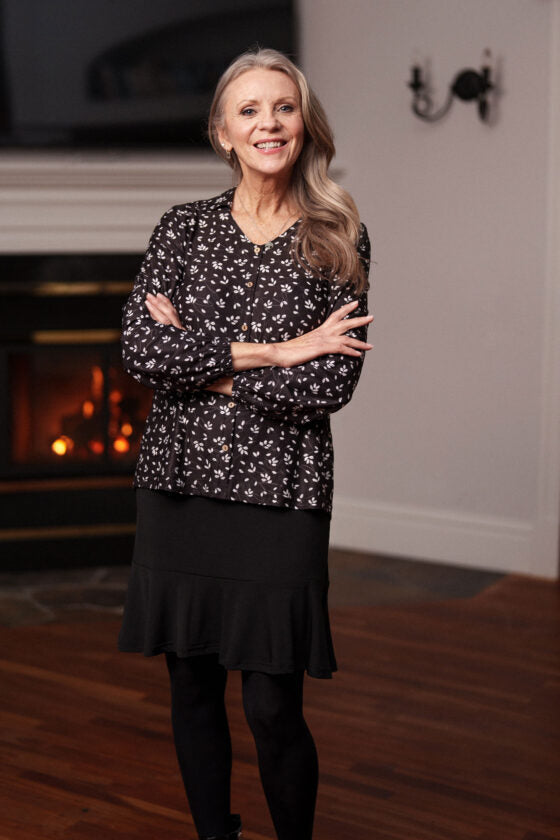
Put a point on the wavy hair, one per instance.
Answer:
(330, 226)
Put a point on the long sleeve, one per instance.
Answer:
(311, 391)
(158, 355)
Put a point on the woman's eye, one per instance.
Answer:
(248, 112)
(286, 108)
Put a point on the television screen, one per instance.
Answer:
(124, 73)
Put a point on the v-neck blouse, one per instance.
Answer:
(260, 244)
(269, 442)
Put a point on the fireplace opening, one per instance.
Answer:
(71, 418)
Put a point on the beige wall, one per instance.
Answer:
(445, 451)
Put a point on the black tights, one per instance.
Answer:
(286, 751)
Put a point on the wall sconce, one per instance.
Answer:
(467, 85)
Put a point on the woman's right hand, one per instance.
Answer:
(162, 310)
(330, 337)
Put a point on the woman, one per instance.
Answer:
(238, 321)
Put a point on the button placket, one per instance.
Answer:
(246, 334)
(252, 284)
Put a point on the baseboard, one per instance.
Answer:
(481, 542)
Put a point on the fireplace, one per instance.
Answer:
(71, 418)
(72, 229)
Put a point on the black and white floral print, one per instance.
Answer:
(270, 442)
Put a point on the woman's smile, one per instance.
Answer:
(270, 146)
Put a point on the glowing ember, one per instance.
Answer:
(88, 408)
(97, 380)
(121, 444)
(96, 446)
(62, 445)
(126, 429)
(115, 397)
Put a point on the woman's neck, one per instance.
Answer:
(264, 198)
(263, 209)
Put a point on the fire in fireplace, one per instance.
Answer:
(99, 425)
(72, 409)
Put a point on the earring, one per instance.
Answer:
(227, 151)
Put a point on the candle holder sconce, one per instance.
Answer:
(467, 85)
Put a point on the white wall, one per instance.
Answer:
(445, 452)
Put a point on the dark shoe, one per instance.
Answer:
(234, 832)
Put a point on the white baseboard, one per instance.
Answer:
(503, 545)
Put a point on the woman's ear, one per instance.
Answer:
(224, 143)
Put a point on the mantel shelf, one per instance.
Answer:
(97, 202)
(110, 169)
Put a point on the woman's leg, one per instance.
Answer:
(285, 748)
(202, 738)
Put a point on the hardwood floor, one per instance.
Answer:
(443, 723)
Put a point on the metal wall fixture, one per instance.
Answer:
(467, 85)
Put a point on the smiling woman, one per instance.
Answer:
(330, 223)
(249, 319)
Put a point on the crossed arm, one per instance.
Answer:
(330, 337)
(298, 381)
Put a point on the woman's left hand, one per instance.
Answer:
(162, 310)
(223, 385)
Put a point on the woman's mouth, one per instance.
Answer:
(270, 145)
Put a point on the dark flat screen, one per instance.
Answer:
(124, 73)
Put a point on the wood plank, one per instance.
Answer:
(442, 724)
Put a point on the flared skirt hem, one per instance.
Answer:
(275, 628)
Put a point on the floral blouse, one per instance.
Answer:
(270, 442)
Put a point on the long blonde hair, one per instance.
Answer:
(330, 227)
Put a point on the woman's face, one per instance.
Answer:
(263, 122)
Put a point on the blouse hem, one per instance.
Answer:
(141, 485)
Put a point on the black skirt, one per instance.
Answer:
(248, 582)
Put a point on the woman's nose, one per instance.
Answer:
(269, 119)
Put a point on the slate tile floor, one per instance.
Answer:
(91, 594)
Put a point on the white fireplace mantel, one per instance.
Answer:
(105, 202)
